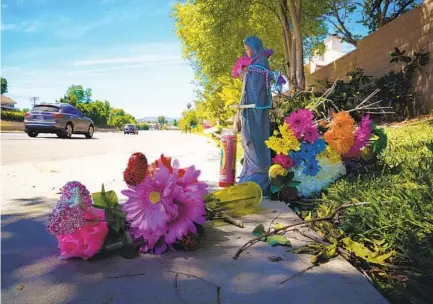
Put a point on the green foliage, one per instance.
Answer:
(143, 126)
(108, 201)
(12, 115)
(188, 120)
(4, 85)
(119, 118)
(162, 120)
(396, 88)
(390, 238)
(273, 240)
(98, 111)
(77, 94)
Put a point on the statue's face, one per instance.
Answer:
(249, 51)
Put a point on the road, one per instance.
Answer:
(34, 169)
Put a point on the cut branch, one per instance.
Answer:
(333, 216)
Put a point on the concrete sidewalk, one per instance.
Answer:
(33, 273)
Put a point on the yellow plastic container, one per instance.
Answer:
(242, 195)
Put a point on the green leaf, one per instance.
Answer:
(275, 240)
(376, 257)
(274, 189)
(105, 199)
(290, 175)
(259, 230)
(293, 184)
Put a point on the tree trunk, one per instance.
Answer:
(295, 14)
(287, 44)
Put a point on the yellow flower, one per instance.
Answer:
(285, 143)
(332, 156)
(277, 170)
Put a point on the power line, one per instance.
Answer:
(34, 100)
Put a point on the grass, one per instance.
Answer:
(399, 219)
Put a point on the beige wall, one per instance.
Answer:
(411, 31)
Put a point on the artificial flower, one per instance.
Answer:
(311, 134)
(299, 121)
(340, 141)
(311, 185)
(332, 156)
(311, 167)
(242, 62)
(65, 219)
(150, 205)
(191, 211)
(283, 160)
(285, 143)
(136, 170)
(166, 162)
(75, 193)
(188, 180)
(88, 240)
(342, 121)
(319, 145)
(277, 170)
(362, 136)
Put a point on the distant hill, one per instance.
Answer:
(155, 119)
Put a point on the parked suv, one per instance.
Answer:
(130, 128)
(62, 119)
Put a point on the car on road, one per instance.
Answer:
(60, 118)
(130, 129)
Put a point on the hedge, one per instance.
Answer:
(12, 115)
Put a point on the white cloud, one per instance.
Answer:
(135, 59)
(8, 26)
(123, 67)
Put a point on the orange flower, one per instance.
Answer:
(343, 121)
(339, 141)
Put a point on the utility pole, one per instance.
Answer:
(34, 100)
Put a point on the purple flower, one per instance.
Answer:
(269, 52)
(281, 81)
(299, 121)
(150, 206)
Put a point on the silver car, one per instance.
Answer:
(62, 119)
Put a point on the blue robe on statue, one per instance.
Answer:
(255, 128)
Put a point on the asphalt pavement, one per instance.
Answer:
(34, 169)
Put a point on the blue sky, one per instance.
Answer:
(125, 50)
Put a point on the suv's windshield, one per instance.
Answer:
(130, 126)
(45, 108)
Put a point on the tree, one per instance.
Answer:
(188, 105)
(4, 84)
(76, 94)
(188, 120)
(118, 118)
(162, 120)
(372, 14)
(175, 123)
(212, 32)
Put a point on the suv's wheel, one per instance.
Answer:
(68, 131)
(89, 133)
(32, 134)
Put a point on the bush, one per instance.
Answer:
(143, 126)
(12, 115)
(399, 219)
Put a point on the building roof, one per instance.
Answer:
(6, 100)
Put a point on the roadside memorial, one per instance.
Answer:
(166, 209)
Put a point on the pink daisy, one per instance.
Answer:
(299, 121)
(191, 211)
(150, 204)
(311, 134)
